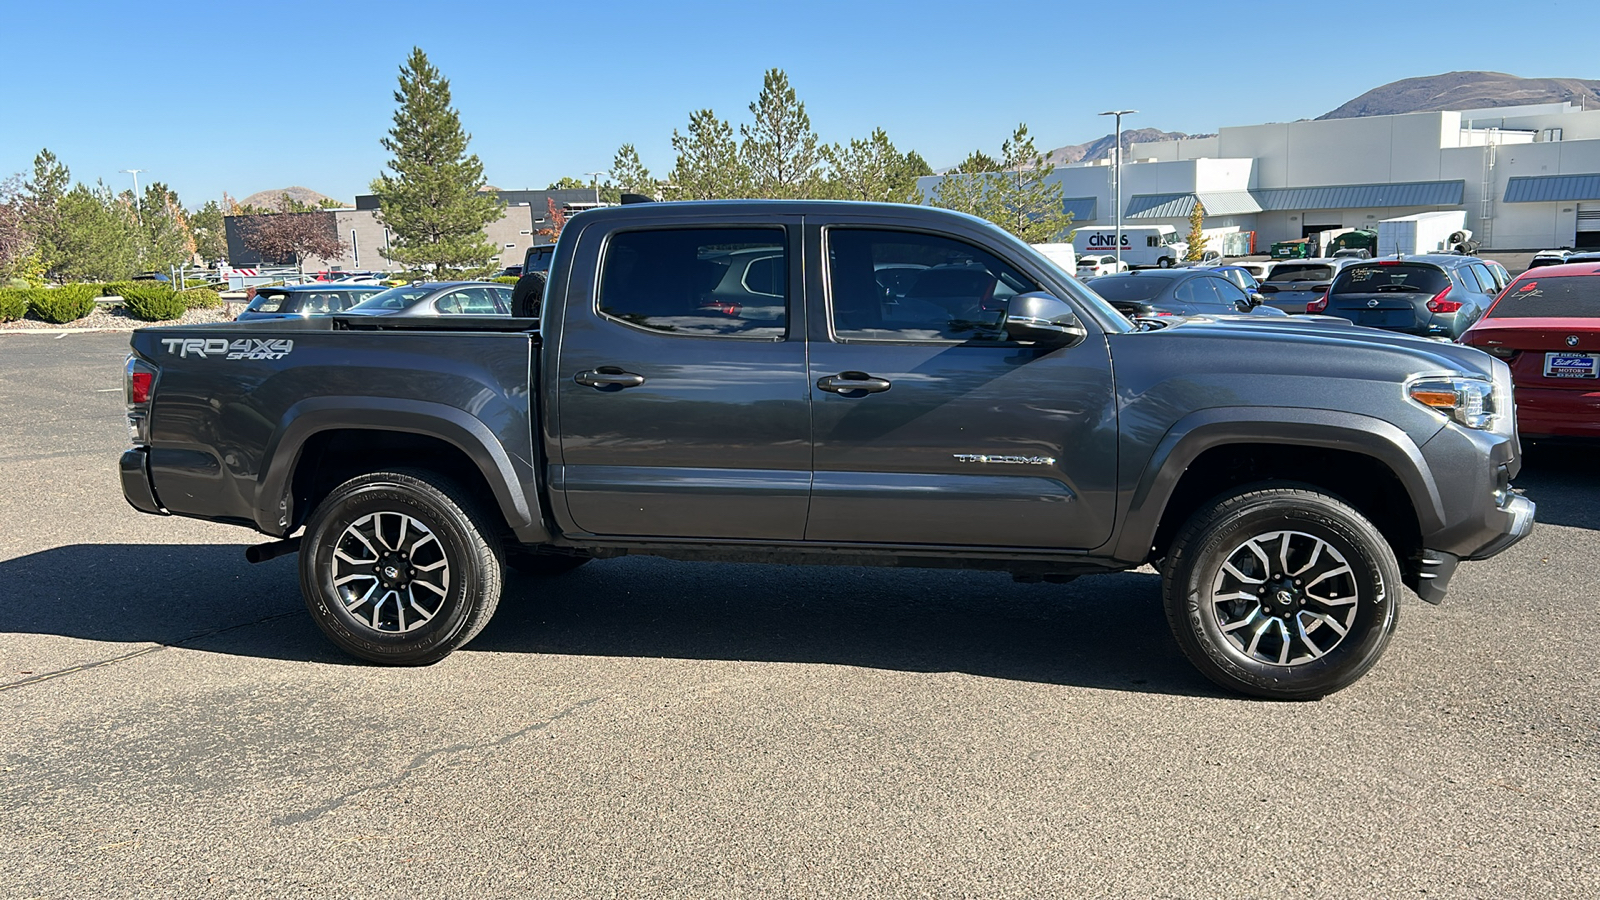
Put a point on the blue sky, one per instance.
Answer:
(242, 97)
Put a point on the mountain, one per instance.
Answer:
(1466, 90)
(269, 199)
(1100, 148)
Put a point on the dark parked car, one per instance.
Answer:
(1171, 292)
(306, 300)
(1433, 296)
(447, 298)
(1292, 285)
(1546, 326)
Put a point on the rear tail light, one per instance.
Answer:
(139, 387)
(1440, 305)
(1318, 305)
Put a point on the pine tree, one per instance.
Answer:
(966, 187)
(629, 174)
(41, 207)
(708, 165)
(1023, 200)
(1197, 233)
(210, 233)
(871, 169)
(433, 205)
(780, 149)
(98, 235)
(165, 240)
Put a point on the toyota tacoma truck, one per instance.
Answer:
(840, 384)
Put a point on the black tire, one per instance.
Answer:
(1213, 611)
(405, 619)
(543, 565)
(1164, 262)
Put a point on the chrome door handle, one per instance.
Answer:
(852, 382)
(608, 377)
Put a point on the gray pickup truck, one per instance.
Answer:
(843, 384)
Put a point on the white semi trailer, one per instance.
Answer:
(1429, 232)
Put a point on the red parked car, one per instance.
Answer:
(1546, 325)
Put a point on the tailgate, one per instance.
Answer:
(1391, 309)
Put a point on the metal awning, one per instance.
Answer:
(1537, 188)
(1082, 209)
(1362, 196)
(1177, 206)
(1346, 196)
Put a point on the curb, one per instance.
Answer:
(57, 331)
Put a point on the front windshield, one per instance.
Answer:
(267, 302)
(1283, 273)
(403, 297)
(1128, 288)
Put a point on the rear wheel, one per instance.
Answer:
(396, 567)
(1164, 262)
(1283, 593)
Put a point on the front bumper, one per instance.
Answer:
(136, 484)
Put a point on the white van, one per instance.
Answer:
(1142, 245)
(1060, 254)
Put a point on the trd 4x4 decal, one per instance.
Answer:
(244, 348)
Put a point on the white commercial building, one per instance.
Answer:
(1528, 177)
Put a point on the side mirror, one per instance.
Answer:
(1256, 299)
(1043, 319)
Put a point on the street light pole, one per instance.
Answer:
(137, 204)
(1116, 175)
(594, 180)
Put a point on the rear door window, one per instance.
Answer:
(1485, 278)
(1391, 278)
(701, 282)
(1564, 296)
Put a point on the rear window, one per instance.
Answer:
(1564, 296)
(268, 302)
(703, 282)
(1128, 288)
(1384, 279)
(1283, 272)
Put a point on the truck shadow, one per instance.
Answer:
(1564, 479)
(1105, 632)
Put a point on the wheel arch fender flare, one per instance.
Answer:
(1207, 429)
(511, 477)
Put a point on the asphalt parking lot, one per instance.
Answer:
(172, 724)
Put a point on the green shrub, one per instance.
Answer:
(154, 306)
(200, 298)
(64, 304)
(143, 290)
(505, 279)
(14, 303)
(116, 288)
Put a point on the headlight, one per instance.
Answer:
(1467, 400)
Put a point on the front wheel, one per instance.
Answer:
(1164, 262)
(1284, 593)
(398, 568)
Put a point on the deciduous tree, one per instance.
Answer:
(286, 237)
(432, 203)
(165, 240)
